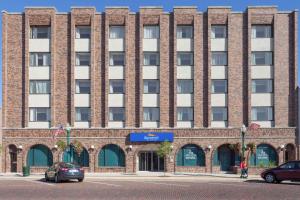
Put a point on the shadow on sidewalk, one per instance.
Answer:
(263, 182)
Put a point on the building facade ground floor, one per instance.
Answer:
(112, 150)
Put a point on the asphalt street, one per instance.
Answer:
(147, 188)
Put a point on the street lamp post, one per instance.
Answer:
(243, 130)
(68, 129)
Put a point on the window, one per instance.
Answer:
(262, 58)
(40, 59)
(262, 86)
(261, 31)
(39, 87)
(190, 155)
(83, 86)
(116, 114)
(116, 32)
(218, 31)
(185, 86)
(219, 86)
(40, 32)
(39, 114)
(111, 155)
(39, 155)
(151, 32)
(151, 58)
(185, 59)
(82, 59)
(184, 32)
(116, 59)
(185, 114)
(83, 32)
(151, 86)
(116, 86)
(289, 165)
(262, 113)
(83, 114)
(151, 114)
(219, 58)
(219, 114)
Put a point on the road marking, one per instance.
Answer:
(37, 181)
(101, 183)
(160, 183)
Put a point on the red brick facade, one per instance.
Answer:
(15, 62)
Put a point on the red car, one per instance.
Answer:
(287, 171)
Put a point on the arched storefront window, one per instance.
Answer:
(73, 157)
(111, 155)
(265, 155)
(40, 156)
(190, 155)
(224, 157)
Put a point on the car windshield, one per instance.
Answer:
(68, 165)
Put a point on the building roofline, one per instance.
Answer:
(116, 7)
(151, 7)
(219, 7)
(270, 6)
(40, 7)
(82, 7)
(185, 7)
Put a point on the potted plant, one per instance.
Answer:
(61, 145)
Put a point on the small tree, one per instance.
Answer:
(61, 145)
(77, 146)
(164, 151)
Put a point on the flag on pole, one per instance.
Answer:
(59, 130)
(254, 126)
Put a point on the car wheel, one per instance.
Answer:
(270, 178)
(80, 179)
(56, 179)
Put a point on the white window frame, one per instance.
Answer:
(82, 32)
(189, 113)
(116, 81)
(111, 58)
(219, 58)
(81, 55)
(34, 59)
(222, 110)
(267, 83)
(214, 81)
(146, 86)
(148, 58)
(78, 82)
(153, 114)
(184, 32)
(34, 111)
(34, 32)
(151, 32)
(189, 54)
(267, 31)
(215, 35)
(78, 111)
(120, 34)
(112, 112)
(268, 58)
(268, 109)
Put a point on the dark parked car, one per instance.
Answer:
(62, 171)
(287, 171)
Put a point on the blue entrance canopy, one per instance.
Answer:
(152, 137)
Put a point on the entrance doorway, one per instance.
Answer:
(150, 161)
(13, 158)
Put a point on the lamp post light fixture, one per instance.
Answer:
(243, 131)
(69, 152)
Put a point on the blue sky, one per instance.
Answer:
(64, 6)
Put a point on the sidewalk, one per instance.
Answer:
(142, 175)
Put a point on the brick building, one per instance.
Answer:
(127, 81)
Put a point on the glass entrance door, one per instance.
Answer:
(150, 161)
